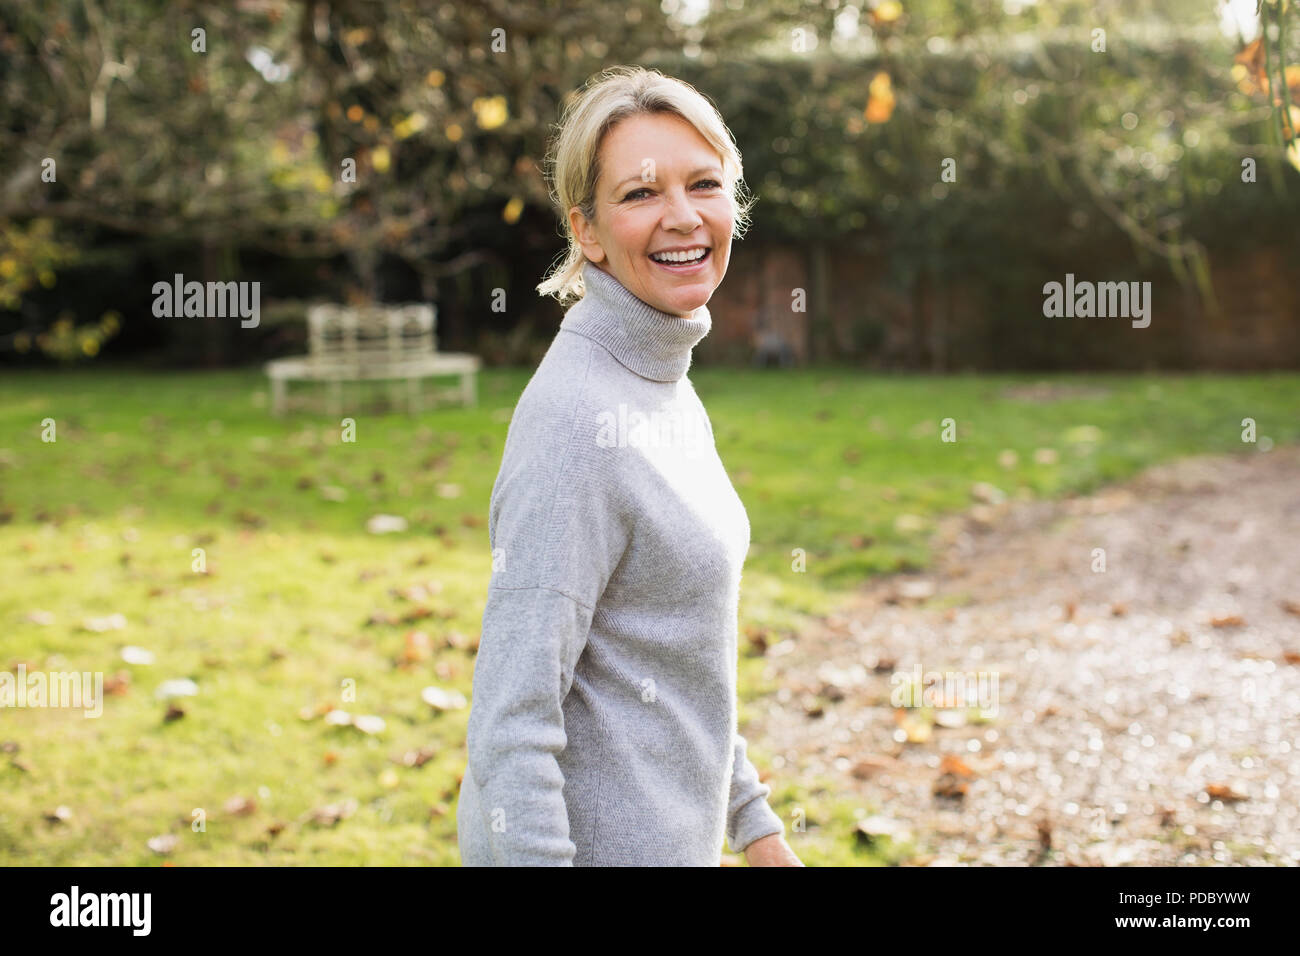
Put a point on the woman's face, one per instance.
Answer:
(661, 187)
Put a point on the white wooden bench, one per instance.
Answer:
(373, 343)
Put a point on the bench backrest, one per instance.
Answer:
(370, 333)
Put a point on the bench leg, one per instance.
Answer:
(334, 407)
(277, 397)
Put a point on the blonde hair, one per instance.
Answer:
(573, 164)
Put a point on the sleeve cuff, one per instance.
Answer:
(755, 819)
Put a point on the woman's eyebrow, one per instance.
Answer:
(693, 172)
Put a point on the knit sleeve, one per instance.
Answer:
(748, 814)
(557, 533)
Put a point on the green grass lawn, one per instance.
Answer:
(300, 604)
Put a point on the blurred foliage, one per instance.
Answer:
(414, 133)
(29, 256)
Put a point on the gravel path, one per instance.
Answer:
(1145, 714)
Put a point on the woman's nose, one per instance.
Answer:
(681, 211)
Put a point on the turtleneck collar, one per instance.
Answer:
(656, 345)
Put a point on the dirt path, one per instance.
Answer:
(1145, 714)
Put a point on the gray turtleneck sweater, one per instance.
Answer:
(603, 725)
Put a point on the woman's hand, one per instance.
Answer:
(771, 850)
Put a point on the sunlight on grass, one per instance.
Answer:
(844, 472)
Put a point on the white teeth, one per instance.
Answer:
(679, 256)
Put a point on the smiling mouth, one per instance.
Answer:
(682, 266)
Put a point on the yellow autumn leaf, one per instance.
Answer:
(410, 125)
(513, 209)
(887, 11)
(321, 182)
(380, 159)
(880, 99)
(490, 111)
(454, 132)
(435, 78)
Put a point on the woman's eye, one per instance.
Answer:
(710, 183)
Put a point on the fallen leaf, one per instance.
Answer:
(417, 647)
(164, 844)
(240, 806)
(987, 493)
(950, 718)
(338, 718)
(181, 687)
(1227, 620)
(951, 763)
(369, 724)
(915, 725)
(950, 785)
(1221, 791)
(118, 685)
(418, 758)
(137, 655)
(918, 589)
(872, 764)
(113, 622)
(332, 813)
(386, 524)
(440, 699)
(870, 829)
(1044, 828)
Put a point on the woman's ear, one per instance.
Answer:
(585, 235)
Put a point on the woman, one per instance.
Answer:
(603, 724)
